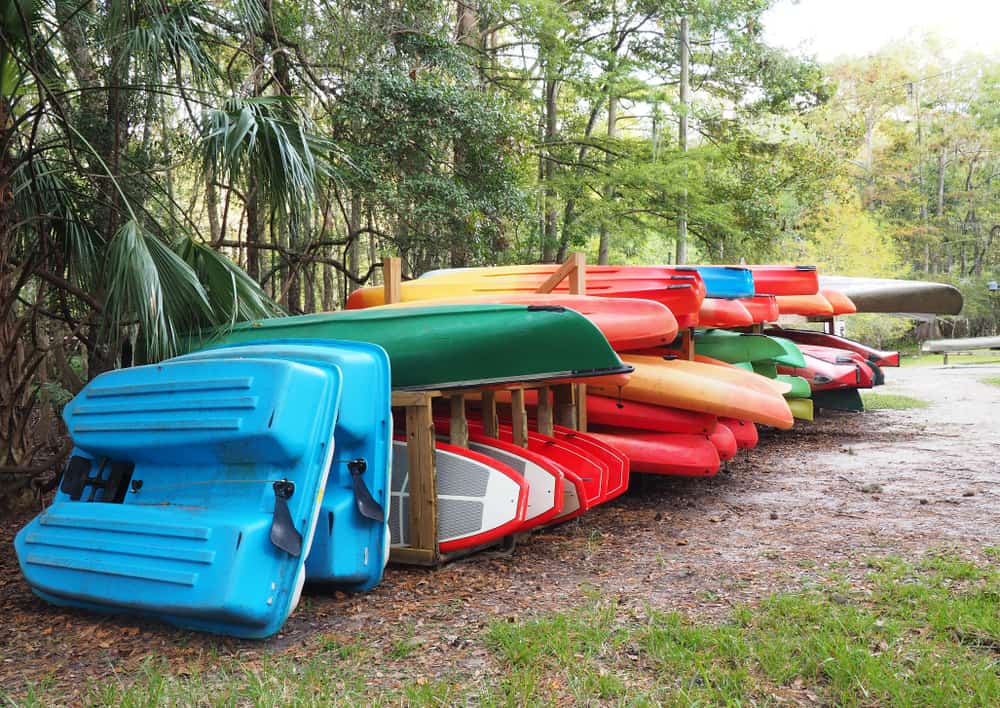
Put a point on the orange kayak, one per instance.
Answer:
(842, 305)
(718, 390)
(806, 305)
(627, 323)
(733, 373)
(763, 308)
(716, 312)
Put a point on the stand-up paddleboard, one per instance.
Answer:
(616, 462)
(479, 500)
(725, 442)
(744, 431)
(546, 497)
(582, 476)
(665, 453)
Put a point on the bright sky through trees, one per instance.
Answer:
(832, 28)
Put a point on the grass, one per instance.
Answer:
(914, 633)
(954, 359)
(992, 380)
(891, 401)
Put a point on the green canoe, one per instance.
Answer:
(800, 387)
(766, 368)
(454, 346)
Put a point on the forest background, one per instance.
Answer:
(167, 165)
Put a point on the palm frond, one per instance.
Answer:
(150, 286)
(233, 294)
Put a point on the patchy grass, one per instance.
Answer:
(891, 401)
(992, 380)
(954, 359)
(924, 633)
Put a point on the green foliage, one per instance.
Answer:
(891, 401)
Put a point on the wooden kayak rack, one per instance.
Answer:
(562, 404)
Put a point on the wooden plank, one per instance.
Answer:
(491, 424)
(687, 344)
(545, 411)
(581, 407)
(578, 276)
(392, 278)
(564, 405)
(413, 398)
(459, 427)
(519, 417)
(422, 477)
(413, 556)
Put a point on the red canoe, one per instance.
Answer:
(674, 454)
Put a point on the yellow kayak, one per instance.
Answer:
(802, 408)
(707, 388)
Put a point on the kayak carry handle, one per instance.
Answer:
(367, 506)
(284, 535)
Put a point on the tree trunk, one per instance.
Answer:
(609, 194)
(550, 236)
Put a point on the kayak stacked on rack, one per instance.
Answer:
(205, 490)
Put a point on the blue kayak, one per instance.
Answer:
(349, 551)
(195, 486)
(726, 281)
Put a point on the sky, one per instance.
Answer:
(828, 29)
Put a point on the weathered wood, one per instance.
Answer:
(578, 276)
(392, 274)
(519, 417)
(545, 411)
(491, 424)
(414, 556)
(581, 407)
(422, 476)
(687, 344)
(459, 427)
(757, 328)
(575, 268)
(564, 405)
(413, 398)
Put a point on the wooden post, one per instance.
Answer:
(519, 417)
(545, 411)
(491, 425)
(575, 268)
(459, 427)
(687, 344)
(422, 475)
(581, 407)
(565, 406)
(757, 328)
(392, 276)
(831, 326)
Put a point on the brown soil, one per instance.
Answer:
(835, 492)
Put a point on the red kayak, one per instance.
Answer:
(763, 308)
(826, 376)
(725, 442)
(724, 314)
(785, 280)
(646, 416)
(842, 356)
(804, 336)
(744, 431)
(674, 454)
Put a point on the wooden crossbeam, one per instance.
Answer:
(575, 268)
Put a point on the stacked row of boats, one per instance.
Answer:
(206, 489)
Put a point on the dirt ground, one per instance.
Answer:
(827, 494)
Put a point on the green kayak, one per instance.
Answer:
(766, 368)
(800, 387)
(734, 347)
(454, 346)
(792, 355)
